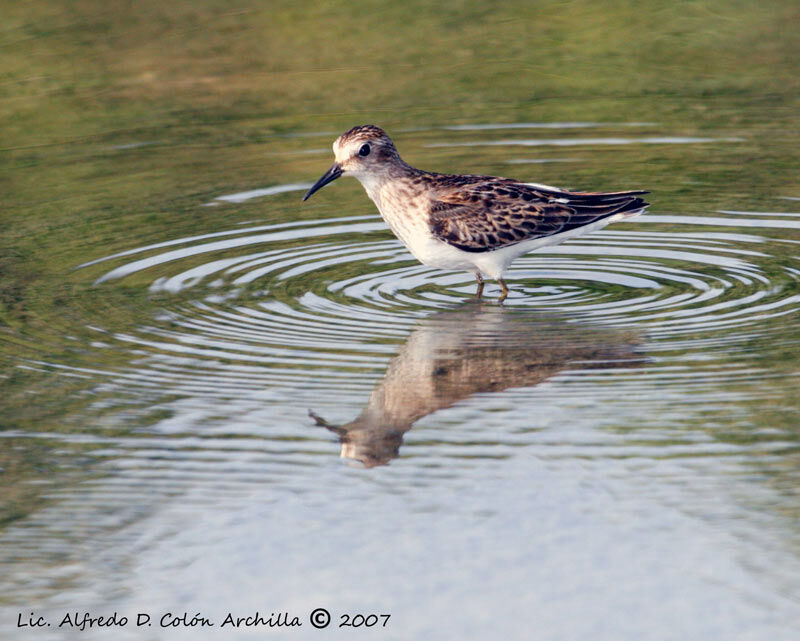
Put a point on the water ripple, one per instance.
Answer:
(309, 313)
(317, 278)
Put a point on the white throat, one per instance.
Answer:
(372, 183)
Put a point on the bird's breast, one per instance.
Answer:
(406, 214)
(405, 209)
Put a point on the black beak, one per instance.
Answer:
(329, 176)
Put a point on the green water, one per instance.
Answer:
(621, 436)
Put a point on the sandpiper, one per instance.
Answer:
(464, 222)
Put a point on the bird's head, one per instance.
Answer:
(360, 152)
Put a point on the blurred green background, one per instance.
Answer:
(211, 81)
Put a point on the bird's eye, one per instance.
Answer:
(364, 151)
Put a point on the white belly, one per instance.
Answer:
(494, 263)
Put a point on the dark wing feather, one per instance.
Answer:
(493, 213)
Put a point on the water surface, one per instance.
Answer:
(220, 399)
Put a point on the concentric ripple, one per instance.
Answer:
(312, 283)
(289, 311)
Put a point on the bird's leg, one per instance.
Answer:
(479, 292)
(504, 287)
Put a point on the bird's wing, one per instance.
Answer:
(493, 213)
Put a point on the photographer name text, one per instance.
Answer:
(318, 618)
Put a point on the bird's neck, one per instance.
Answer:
(397, 176)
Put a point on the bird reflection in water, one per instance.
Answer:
(478, 348)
